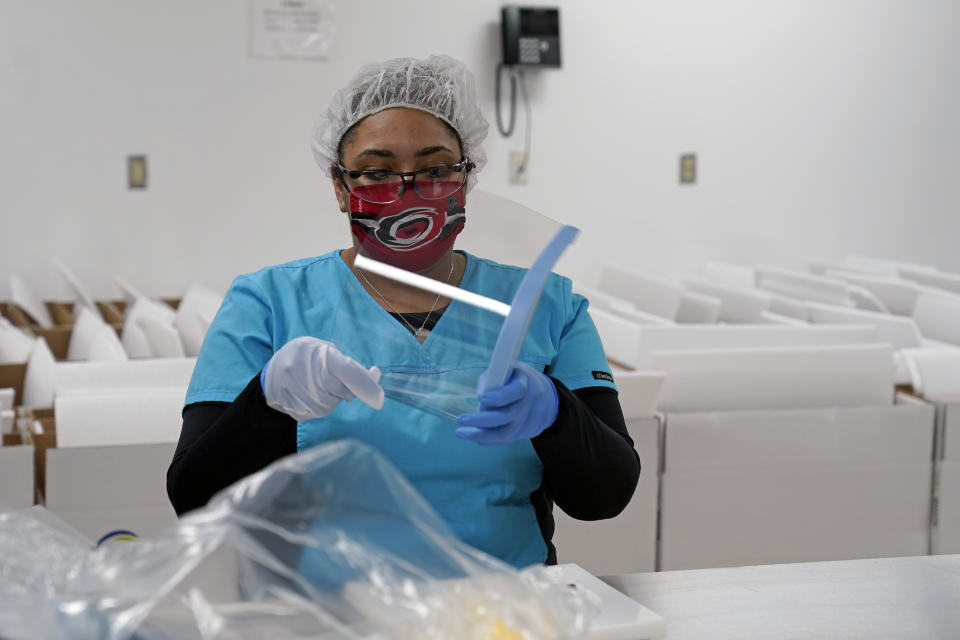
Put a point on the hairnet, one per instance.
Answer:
(439, 85)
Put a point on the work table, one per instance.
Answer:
(911, 597)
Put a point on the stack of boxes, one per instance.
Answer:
(790, 429)
(88, 439)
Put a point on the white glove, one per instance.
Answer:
(308, 377)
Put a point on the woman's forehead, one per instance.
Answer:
(401, 130)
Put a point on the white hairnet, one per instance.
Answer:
(439, 85)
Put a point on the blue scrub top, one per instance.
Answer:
(483, 493)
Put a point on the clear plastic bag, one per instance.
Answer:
(330, 543)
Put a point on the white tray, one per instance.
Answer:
(620, 617)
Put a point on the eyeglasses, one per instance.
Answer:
(432, 183)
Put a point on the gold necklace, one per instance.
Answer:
(417, 331)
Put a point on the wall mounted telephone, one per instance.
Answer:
(531, 35)
(531, 39)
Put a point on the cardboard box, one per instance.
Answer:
(11, 376)
(945, 511)
(60, 312)
(775, 486)
(945, 521)
(112, 310)
(949, 430)
(946, 537)
(58, 339)
(16, 473)
(100, 489)
(41, 442)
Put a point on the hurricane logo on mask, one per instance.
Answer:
(411, 233)
(410, 229)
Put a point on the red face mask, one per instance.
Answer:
(411, 233)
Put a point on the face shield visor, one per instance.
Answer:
(462, 278)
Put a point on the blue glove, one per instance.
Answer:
(519, 410)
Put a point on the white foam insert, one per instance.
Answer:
(863, 298)
(787, 306)
(900, 332)
(697, 308)
(602, 299)
(897, 294)
(15, 344)
(653, 294)
(135, 338)
(106, 346)
(802, 285)
(810, 436)
(639, 392)
(738, 304)
(746, 336)
(130, 293)
(25, 297)
(641, 318)
(620, 336)
(151, 372)
(196, 311)
(769, 317)
(81, 294)
(85, 331)
(106, 417)
(163, 337)
(938, 316)
(934, 373)
(939, 279)
(38, 382)
(731, 379)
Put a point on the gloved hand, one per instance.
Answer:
(521, 409)
(308, 377)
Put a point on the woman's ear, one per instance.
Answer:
(340, 189)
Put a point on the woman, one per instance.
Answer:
(279, 367)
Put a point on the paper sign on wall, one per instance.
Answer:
(297, 29)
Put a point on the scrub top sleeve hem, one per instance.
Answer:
(586, 381)
(211, 396)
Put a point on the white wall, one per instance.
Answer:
(821, 127)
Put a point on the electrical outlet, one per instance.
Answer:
(518, 169)
(688, 168)
(136, 172)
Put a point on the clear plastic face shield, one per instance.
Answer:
(461, 275)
